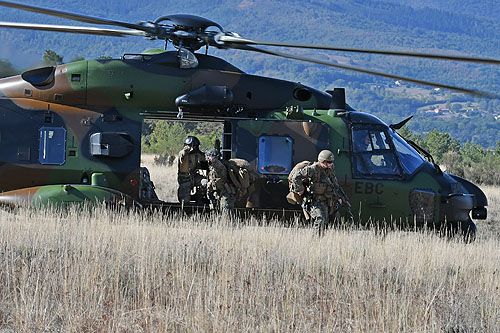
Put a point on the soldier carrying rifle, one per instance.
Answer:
(317, 185)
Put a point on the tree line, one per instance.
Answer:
(166, 138)
(468, 160)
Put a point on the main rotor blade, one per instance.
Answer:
(74, 17)
(245, 41)
(73, 29)
(366, 71)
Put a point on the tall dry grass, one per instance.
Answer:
(164, 178)
(113, 271)
(100, 270)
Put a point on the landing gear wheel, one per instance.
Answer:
(469, 231)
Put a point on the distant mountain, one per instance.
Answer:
(467, 27)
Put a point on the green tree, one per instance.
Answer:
(439, 143)
(472, 153)
(452, 162)
(6, 69)
(167, 138)
(77, 59)
(480, 165)
(51, 58)
(408, 134)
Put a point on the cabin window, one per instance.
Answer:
(275, 154)
(75, 77)
(52, 145)
(373, 155)
(111, 144)
(187, 59)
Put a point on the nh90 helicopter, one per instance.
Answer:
(72, 133)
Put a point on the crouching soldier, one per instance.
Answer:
(318, 187)
(219, 191)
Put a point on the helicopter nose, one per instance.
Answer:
(457, 207)
(466, 197)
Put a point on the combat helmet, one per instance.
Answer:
(192, 141)
(325, 156)
(212, 152)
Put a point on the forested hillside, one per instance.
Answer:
(467, 27)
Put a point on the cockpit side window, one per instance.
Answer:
(372, 154)
(361, 140)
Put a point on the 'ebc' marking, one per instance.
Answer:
(368, 188)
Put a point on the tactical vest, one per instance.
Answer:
(189, 162)
(322, 183)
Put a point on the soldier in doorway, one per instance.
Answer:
(189, 161)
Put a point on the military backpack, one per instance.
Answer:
(292, 197)
(241, 175)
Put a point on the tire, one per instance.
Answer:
(468, 229)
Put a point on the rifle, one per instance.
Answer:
(343, 196)
(212, 200)
(306, 205)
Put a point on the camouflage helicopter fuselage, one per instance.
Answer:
(72, 133)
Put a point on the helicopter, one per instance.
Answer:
(71, 133)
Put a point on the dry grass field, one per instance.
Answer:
(100, 270)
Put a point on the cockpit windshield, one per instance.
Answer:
(376, 155)
(409, 157)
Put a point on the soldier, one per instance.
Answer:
(318, 184)
(362, 141)
(220, 193)
(189, 161)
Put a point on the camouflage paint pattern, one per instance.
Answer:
(65, 195)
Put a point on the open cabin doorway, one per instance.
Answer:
(162, 141)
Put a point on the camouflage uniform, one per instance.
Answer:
(321, 193)
(219, 191)
(188, 162)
